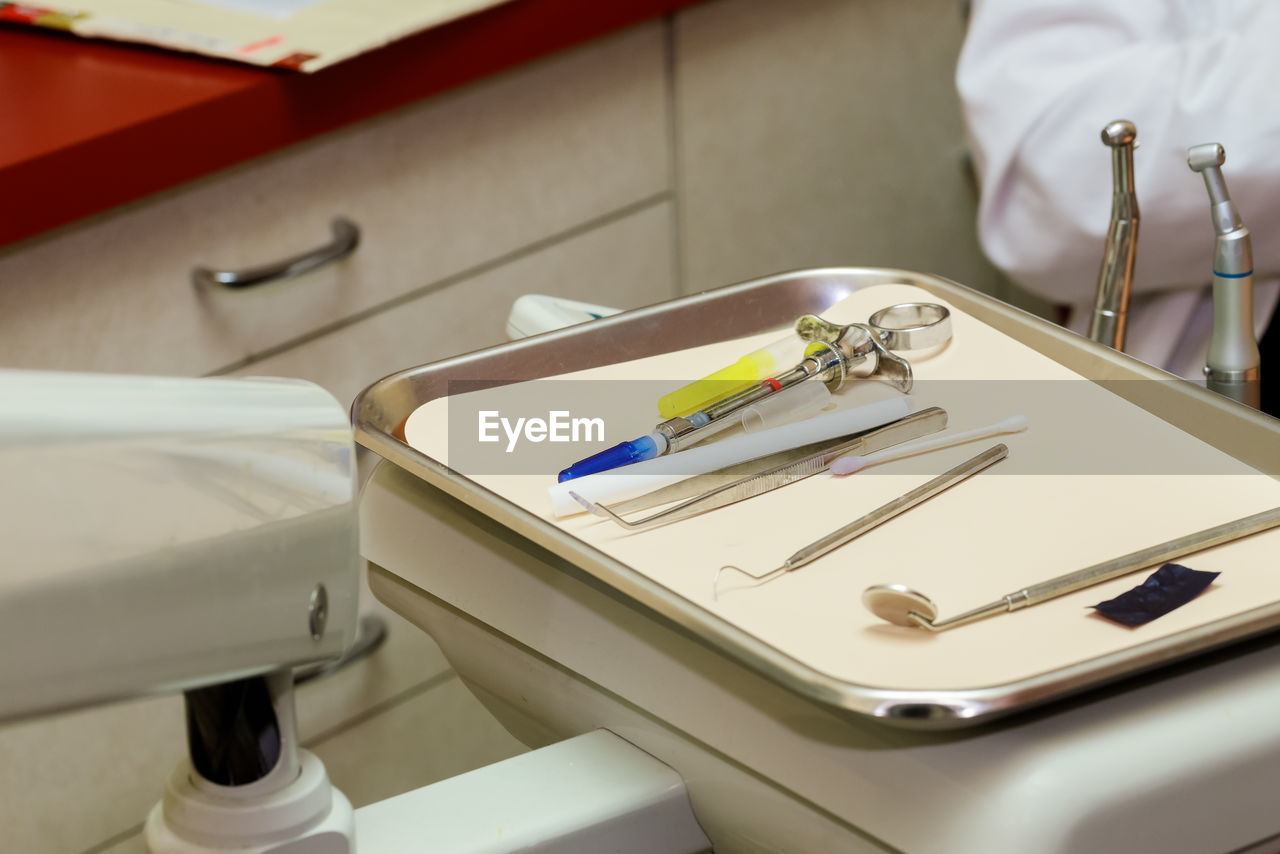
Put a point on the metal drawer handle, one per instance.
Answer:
(346, 237)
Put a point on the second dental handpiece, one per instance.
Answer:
(1233, 364)
(1115, 278)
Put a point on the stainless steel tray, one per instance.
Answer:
(380, 411)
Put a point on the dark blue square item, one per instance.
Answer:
(1171, 586)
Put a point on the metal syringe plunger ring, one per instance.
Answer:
(912, 325)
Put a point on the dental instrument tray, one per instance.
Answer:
(1118, 456)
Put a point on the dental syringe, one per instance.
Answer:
(756, 366)
(831, 353)
(792, 403)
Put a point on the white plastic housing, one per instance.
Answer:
(160, 534)
(308, 816)
(533, 314)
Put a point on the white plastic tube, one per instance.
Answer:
(636, 479)
(800, 401)
(788, 406)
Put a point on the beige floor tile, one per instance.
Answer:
(71, 781)
(437, 734)
(822, 132)
(132, 845)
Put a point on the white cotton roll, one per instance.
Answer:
(638, 478)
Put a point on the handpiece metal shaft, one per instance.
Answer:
(1115, 278)
(1233, 364)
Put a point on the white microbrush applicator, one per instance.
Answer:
(853, 462)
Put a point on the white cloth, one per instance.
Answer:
(1038, 80)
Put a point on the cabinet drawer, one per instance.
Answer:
(440, 187)
(623, 264)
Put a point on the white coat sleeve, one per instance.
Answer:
(1038, 80)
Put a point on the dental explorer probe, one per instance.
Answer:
(879, 516)
(903, 606)
(1115, 279)
(1232, 368)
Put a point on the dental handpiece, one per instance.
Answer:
(1232, 367)
(1115, 278)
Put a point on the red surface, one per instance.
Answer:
(85, 126)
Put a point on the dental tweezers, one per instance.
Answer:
(764, 474)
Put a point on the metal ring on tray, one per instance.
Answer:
(912, 325)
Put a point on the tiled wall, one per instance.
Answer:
(739, 138)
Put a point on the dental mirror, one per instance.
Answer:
(903, 606)
(895, 604)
